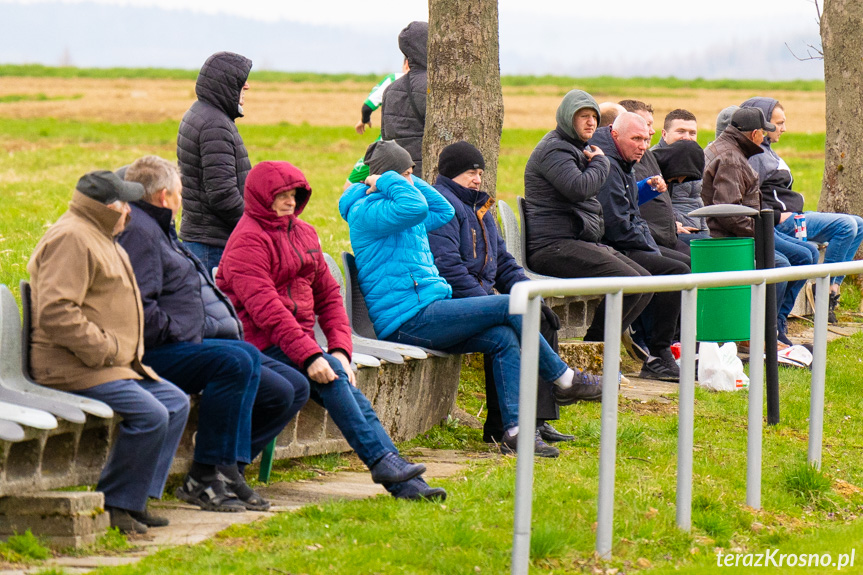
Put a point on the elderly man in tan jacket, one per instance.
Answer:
(88, 338)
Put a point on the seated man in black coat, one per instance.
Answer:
(193, 337)
(472, 257)
(625, 230)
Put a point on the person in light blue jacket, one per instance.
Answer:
(409, 302)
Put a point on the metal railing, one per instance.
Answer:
(525, 300)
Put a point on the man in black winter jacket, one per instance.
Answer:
(625, 230)
(403, 111)
(193, 338)
(472, 257)
(563, 217)
(213, 159)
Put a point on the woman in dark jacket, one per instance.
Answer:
(274, 272)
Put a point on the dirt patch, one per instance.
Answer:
(643, 407)
(338, 104)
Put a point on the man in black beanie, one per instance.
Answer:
(472, 257)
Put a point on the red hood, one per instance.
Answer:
(265, 182)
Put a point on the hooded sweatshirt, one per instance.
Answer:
(213, 159)
(774, 175)
(683, 158)
(274, 272)
(560, 184)
(625, 229)
(403, 112)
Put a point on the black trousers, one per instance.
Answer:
(546, 406)
(663, 312)
(580, 259)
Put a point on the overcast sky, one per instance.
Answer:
(684, 38)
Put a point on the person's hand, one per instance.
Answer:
(346, 364)
(681, 229)
(591, 152)
(657, 183)
(784, 216)
(370, 182)
(320, 371)
(550, 317)
(361, 127)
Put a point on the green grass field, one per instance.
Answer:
(471, 533)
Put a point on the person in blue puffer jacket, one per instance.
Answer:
(409, 302)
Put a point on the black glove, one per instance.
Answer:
(550, 317)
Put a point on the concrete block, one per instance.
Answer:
(66, 519)
(583, 355)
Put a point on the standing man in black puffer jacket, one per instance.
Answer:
(403, 112)
(213, 160)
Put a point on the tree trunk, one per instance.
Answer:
(465, 101)
(842, 43)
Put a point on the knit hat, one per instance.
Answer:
(105, 187)
(724, 118)
(385, 155)
(458, 158)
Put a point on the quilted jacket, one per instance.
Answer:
(274, 272)
(388, 227)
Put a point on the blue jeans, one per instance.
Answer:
(842, 232)
(349, 409)
(686, 238)
(226, 374)
(154, 417)
(481, 324)
(209, 255)
(797, 253)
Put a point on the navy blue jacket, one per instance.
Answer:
(468, 250)
(181, 303)
(625, 229)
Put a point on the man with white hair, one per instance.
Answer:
(626, 231)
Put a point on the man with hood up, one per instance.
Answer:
(627, 232)
(563, 217)
(403, 112)
(842, 232)
(212, 157)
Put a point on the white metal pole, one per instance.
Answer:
(686, 411)
(756, 395)
(526, 430)
(608, 433)
(819, 368)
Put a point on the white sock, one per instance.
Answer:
(565, 380)
(512, 431)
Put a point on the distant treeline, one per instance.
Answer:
(598, 83)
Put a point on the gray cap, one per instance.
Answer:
(105, 187)
(749, 119)
(724, 118)
(385, 155)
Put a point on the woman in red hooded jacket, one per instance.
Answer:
(274, 271)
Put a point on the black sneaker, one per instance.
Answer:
(551, 435)
(662, 367)
(509, 446)
(391, 468)
(148, 518)
(416, 489)
(122, 520)
(210, 494)
(585, 387)
(236, 483)
(635, 351)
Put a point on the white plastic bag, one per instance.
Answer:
(719, 368)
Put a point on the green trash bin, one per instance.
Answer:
(723, 313)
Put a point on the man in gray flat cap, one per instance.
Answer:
(88, 339)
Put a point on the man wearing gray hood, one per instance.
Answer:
(403, 111)
(842, 232)
(564, 222)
